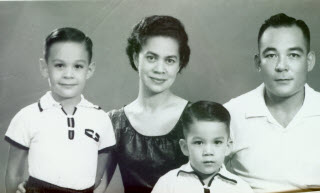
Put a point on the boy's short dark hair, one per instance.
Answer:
(66, 34)
(158, 25)
(205, 111)
(282, 20)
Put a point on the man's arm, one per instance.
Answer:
(15, 168)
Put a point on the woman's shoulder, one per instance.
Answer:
(118, 118)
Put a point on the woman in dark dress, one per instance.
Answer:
(148, 129)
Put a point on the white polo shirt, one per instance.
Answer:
(184, 180)
(63, 149)
(269, 157)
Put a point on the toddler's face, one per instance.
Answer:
(207, 144)
(68, 69)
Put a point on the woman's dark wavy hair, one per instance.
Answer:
(66, 34)
(158, 25)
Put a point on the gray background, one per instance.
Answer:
(222, 39)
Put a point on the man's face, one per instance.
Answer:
(284, 61)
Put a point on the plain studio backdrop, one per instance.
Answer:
(223, 41)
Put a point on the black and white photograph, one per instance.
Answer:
(170, 96)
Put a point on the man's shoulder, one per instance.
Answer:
(314, 92)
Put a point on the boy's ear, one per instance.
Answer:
(91, 69)
(311, 60)
(184, 147)
(257, 62)
(43, 68)
(229, 147)
(136, 60)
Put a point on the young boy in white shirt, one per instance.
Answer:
(206, 142)
(64, 136)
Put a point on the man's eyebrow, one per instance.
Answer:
(173, 56)
(268, 49)
(299, 49)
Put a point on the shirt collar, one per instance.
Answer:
(223, 173)
(47, 102)
(311, 104)
(258, 107)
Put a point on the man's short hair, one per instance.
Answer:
(205, 111)
(282, 20)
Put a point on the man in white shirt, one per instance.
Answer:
(276, 127)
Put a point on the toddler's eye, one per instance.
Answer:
(218, 142)
(78, 66)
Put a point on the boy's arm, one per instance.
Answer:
(15, 168)
(106, 162)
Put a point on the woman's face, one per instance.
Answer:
(158, 63)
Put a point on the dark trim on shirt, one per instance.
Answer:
(40, 108)
(211, 180)
(106, 149)
(14, 143)
(228, 179)
(98, 108)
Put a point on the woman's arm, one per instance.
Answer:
(106, 162)
(15, 168)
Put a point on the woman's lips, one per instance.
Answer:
(158, 80)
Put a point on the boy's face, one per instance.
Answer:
(68, 69)
(207, 143)
(284, 60)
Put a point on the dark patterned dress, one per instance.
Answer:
(144, 159)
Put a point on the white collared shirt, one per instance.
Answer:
(184, 180)
(268, 156)
(63, 149)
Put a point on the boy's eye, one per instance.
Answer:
(58, 65)
(151, 58)
(198, 142)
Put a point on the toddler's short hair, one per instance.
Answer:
(205, 111)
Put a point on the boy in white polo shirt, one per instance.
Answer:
(63, 135)
(206, 142)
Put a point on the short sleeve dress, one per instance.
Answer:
(144, 159)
